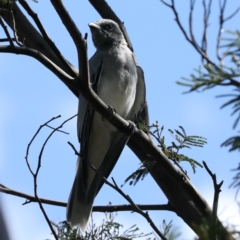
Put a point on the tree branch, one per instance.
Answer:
(109, 208)
(35, 174)
(217, 190)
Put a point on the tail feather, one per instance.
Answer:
(80, 202)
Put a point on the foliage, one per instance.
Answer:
(169, 231)
(172, 151)
(109, 229)
(222, 75)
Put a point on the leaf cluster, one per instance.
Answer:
(182, 141)
(172, 151)
(169, 231)
(109, 229)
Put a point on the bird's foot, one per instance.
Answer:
(131, 126)
(111, 111)
(130, 129)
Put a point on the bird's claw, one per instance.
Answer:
(129, 129)
(131, 126)
(111, 111)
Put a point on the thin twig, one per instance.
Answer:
(31, 141)
(35, 175)
(60, 130)
(217, 190)
(115, 187)
(221, 22)
(67, 79)
(190, 23)
(206, 15)
(232, 15)
(190, 40)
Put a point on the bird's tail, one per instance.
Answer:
(80, 202)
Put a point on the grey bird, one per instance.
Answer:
(119, 82)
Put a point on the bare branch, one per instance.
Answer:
(217, 190)
(167, 4)
(31, 141)
(109, 208)
(35, 174)
(190, 22)
(232, 15)
(192, 39)
(206, 15)
(67, 79)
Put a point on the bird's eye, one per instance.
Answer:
(109, 27)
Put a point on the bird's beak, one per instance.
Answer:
(94, 25)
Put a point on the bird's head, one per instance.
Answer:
(106, 33)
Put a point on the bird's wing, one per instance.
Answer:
(85, 112)
(139, 110)
(80, 202)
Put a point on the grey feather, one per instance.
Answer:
(120, 83)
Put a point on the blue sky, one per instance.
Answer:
(30, 95)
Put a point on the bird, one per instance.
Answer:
(119, 82)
